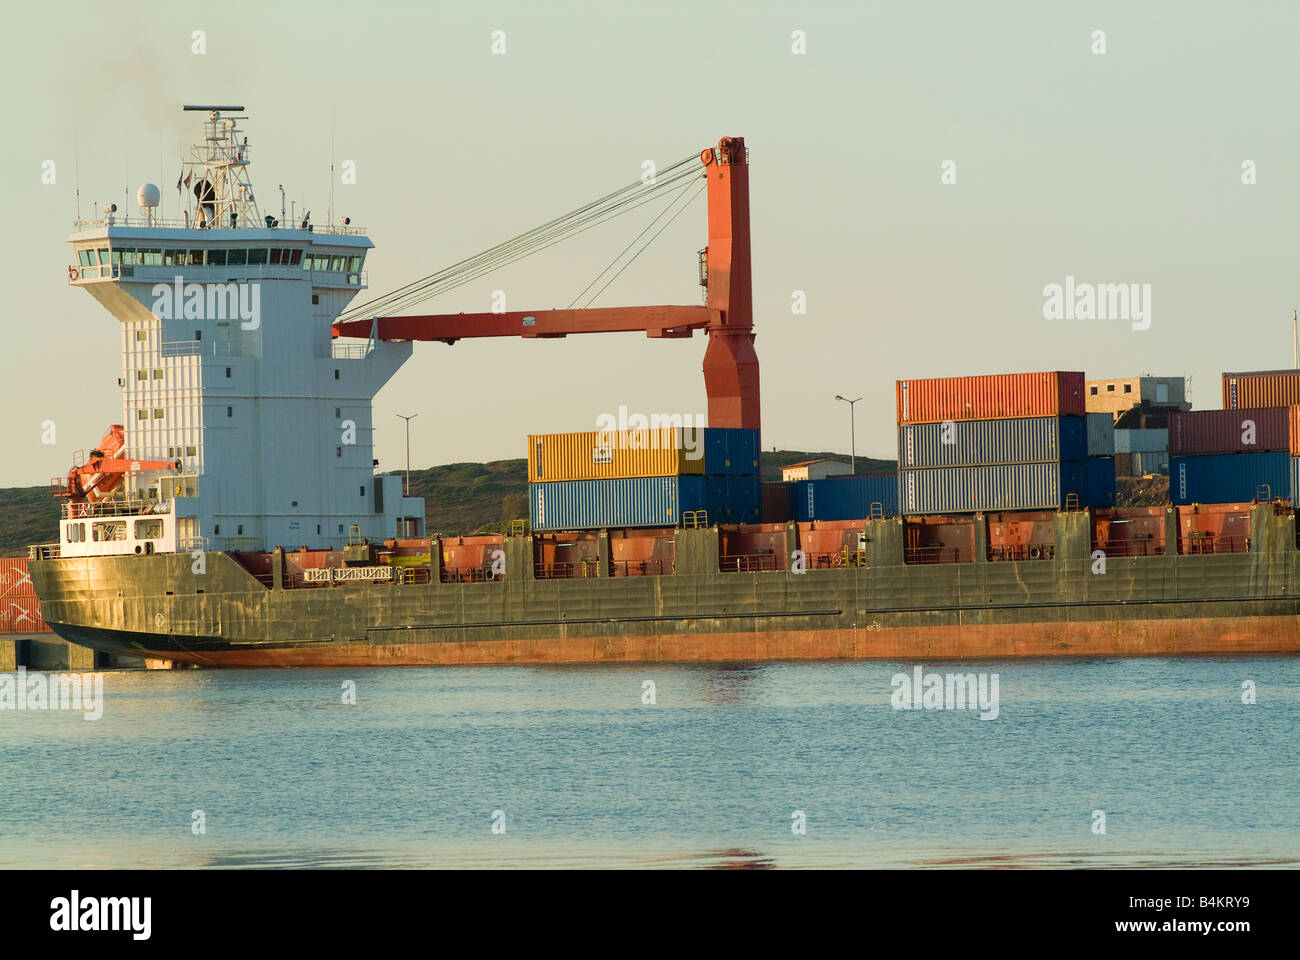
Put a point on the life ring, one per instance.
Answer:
(73, 273)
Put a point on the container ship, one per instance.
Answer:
(235, 517)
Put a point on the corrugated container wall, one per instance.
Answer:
(1101, 481)
(1229, 477)
(582, 456)
(731, 452)
(1017, 486)
(1101, 435)
(1148, 464)
(776, 502)
(1246, 430)
(22, 615)
(844, 498)
(1265, 388)
(993, 397)
(1150, 440)
(14, 579)
(733, 499)
(631, 502)
(975, 442)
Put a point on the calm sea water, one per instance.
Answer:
(585, 774)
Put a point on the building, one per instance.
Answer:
(1138, 402)
(815, 470)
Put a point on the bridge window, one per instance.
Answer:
(107, 531)
(196, 258)
(295, 258)
(257, 257)
(175, 258)
(216, 258)
(86, 257)
(275, 256)
(236, 258)
(103, 255)
(148, 529)
(151, 257)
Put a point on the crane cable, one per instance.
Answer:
(553, 231)
(679, 212)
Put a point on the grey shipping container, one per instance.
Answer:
(1008, 486)
(968, 443)
(633, 502)
(1142, 441)
(1101, 435)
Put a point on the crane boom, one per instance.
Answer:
(731, 373)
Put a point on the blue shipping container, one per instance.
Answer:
(730, 452)
(1229, 477)
(969, 443)
(1101, 482)
(1007, 486)
(733, 499)
(843, 498)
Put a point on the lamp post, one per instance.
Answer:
(408, 449)
(853, 436)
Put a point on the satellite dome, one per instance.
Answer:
(147, 195)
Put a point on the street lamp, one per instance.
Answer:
(408, 449)
(853, 436)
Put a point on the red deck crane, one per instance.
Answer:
(104, 471)
(730, 363)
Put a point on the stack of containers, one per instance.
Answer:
(990, 443)
(1101, 460)
(1228, 456)
(642, 478)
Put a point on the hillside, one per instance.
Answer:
(459, 498)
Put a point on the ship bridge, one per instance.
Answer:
(245, 424)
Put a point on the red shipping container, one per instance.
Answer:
(14, 579)
(21, 615)
(1263, 388)
(1251, 430)
(992, 397)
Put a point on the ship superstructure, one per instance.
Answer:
(244, 424)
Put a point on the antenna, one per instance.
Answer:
(1295, 347)
(330, 215)
(76, 165)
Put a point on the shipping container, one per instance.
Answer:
(1150, 440)
(14, 579)
(1014, 486)
(844, 498)
(992, 397)
(1229, 477)
(629, 502)
(596, 455)
(1101, 482)
(1247, 430)
(730, 452)
(733, 499)
(21, 615)
(968, 443)
(776, 502)
(1101, 435)
(1149, 464)
(1264, 388)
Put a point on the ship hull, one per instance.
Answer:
(1200, 605)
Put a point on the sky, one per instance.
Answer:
(1122, 166)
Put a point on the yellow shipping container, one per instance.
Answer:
(1266, 388)
(615, 455)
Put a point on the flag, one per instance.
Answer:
(187, 179)
(178, 178)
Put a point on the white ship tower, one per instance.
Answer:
(244, 425)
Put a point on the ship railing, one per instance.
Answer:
(937, 554)
(117, 220)
(416, 575)
(749, 562)
(1195, 544)
(468, 575)
(232, 347)
(1015, 552)
(117, 507)
(337, 350)
(190, 544)
(1132, 548)
(567, 569)
(43, 551)
(641, 568)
